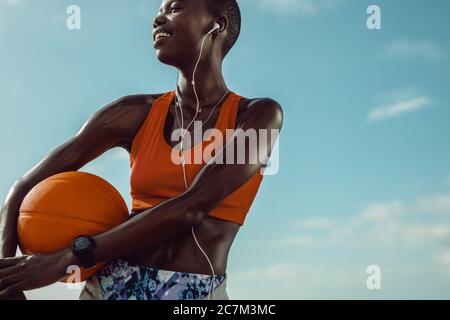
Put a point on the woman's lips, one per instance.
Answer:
(160, 40)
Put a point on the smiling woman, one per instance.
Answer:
(185, 216)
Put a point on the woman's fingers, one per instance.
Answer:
(11, 290)
(6, 272)
(7, 262)
(10, 280)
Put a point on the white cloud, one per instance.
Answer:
(397, 103)
(442, 260)
(398, 108)
(437, 203)
(296, 7)
(383, 211)
(335, 280)
(407, 238)
(445, 259)
(409, 49)
(287, 280)
(427, 232)
(411, 224)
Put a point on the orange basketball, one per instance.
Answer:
(64, 206)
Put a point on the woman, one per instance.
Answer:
(184, 216)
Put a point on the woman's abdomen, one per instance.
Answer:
(182, 253)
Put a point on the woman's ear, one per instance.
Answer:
(223, 24)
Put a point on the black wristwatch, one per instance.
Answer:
(83, 249)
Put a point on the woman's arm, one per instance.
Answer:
(100, 133)
(109, 127)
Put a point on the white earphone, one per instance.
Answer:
(183, 161)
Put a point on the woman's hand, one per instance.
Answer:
(32, 272)
(17, 296)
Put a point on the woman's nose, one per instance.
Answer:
(158, 20)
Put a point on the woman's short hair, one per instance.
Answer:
(229, 9)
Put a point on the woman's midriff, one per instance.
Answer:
(182, 253)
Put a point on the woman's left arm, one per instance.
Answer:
(215, 181)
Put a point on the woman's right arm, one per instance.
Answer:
(111, 126)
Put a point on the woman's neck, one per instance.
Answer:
(210, 86)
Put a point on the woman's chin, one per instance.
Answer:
(163, 57)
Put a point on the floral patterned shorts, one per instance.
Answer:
(119, 280)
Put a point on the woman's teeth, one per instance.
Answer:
(161, 34)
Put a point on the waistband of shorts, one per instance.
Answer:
(201, 275)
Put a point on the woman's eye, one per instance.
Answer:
(174, 8)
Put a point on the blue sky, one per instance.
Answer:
(364, 159)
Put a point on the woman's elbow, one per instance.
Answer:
(195, 214)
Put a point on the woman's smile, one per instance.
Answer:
(160, 39)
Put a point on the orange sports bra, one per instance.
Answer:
(156, 178)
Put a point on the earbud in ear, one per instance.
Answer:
(213, 30)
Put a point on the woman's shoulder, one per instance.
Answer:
(264, 108)
(136, 106)
(252, 103)
(127, 114)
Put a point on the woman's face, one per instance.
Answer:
(186, 21)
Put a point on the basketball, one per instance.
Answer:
(64, 206)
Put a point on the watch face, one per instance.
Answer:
(82, 243)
